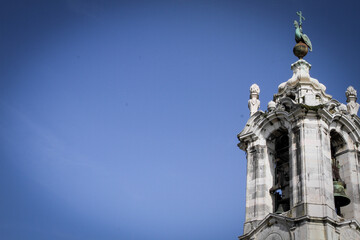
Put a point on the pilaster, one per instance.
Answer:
(259, 180)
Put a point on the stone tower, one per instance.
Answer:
(303, 162)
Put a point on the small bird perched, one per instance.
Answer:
(300, 36)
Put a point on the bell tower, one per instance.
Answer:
(303, 159)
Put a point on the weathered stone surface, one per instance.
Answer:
(301, 87)
(349, 234)
(316, 129)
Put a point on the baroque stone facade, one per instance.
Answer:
(299, 153)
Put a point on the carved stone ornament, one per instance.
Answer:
(271, 106)
(301, 73)
(254, 102)
(342, 108)
(351, 97)
(350, 92)
(302, 88)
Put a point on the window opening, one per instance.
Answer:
(280, 189)
(340, 198)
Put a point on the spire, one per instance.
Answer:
(301, 87)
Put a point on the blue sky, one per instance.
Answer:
(118, 119)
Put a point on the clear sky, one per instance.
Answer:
(118, 119)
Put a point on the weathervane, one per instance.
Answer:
(303, 41)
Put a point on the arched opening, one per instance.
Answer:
(338, 145)
(281, 171)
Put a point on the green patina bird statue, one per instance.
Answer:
(300, 36)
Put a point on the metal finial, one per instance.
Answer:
(299, 13)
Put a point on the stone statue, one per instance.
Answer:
(254, 102)
(351, 97)
(271, 106)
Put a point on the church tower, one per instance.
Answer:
(303, 159)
